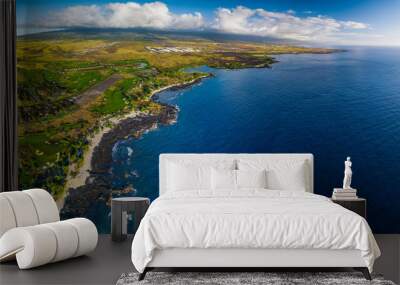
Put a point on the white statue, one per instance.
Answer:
(348, 173)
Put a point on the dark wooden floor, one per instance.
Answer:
(110, 260)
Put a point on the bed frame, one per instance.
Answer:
(245, 259)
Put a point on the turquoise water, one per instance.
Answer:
(335, 105)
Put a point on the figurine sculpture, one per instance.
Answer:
(348, 173)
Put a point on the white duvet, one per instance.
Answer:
(250, 219)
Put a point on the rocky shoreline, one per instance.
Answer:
(90, 199)
(82, 201)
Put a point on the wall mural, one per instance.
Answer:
(105, 87)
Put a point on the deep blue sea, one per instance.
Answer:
(331, 105)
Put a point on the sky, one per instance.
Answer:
(339, 22)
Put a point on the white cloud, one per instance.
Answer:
(260, 22)
(234, 21)
(355, 25)
(123, 15)
(189, 21)
(131, 14)
(87, 16)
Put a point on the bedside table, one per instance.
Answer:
(357, 205)
(120, 207)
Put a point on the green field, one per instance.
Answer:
(68, 87)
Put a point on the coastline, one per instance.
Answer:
(84, 171)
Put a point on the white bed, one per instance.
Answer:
(250, 227)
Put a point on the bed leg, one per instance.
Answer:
(365, 272)
(143, 274)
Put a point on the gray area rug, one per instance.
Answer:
(269, 278)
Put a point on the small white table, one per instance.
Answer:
(120, 207)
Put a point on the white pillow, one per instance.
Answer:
(223, 179)
(251, 178)
(288, 174)
(193, 174)
(188, 177)
(292, 179)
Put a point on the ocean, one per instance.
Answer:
(332, 105)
